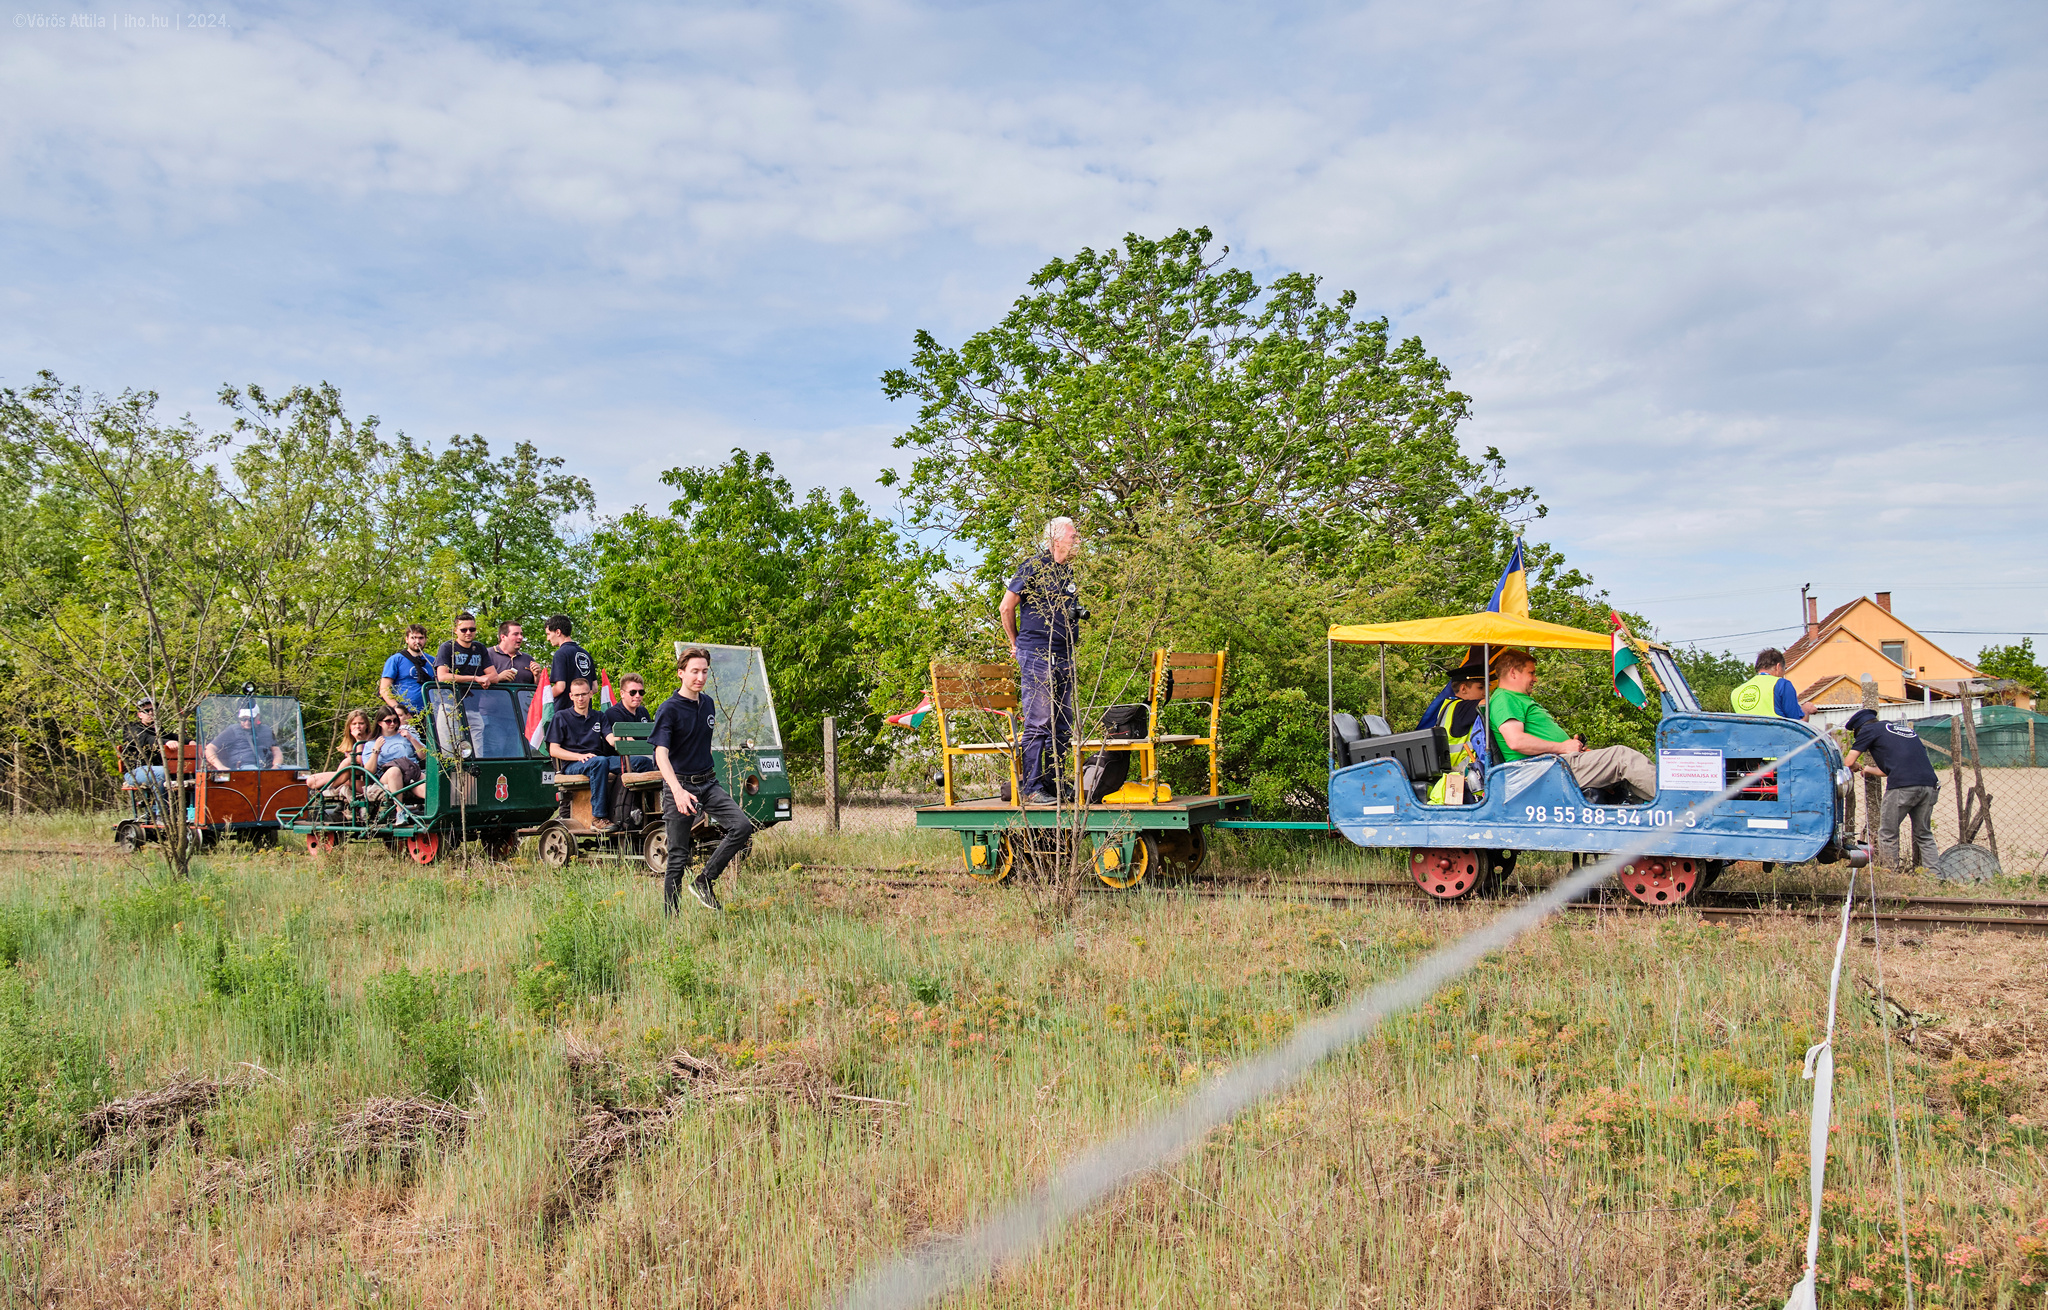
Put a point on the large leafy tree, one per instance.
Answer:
(820, 583)
(1152, 378)
(2016, 662)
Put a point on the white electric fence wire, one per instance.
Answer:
(922, 1277)
(1820, 1068)
(1891, 1093)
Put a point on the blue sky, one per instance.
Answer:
(1753, 294)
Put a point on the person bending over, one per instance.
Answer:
(1522, 728)
(576, 741)
(1899, 757)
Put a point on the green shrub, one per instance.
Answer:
(580, 950)
(17, 928)
(291, 1015)
(442, 1039)
(1321, 988)
(151, 910)
(49, 1076)
(930, 989)
(686, 975)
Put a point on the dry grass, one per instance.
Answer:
(755, 1106)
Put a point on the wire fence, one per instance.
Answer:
(1993, 765)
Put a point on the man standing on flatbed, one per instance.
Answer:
(1042, 616)
(682, 751)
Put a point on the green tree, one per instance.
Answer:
(2016, 662)
(499, 532)
(821, 584)
(1152, 378)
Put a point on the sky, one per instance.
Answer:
(1751, 293)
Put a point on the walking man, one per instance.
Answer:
(1042, 615)
(1909, 789)
(682, 751)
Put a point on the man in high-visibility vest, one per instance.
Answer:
(1769, 694)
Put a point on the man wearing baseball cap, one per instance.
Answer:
(142, 747)
(245, 744)
(1900, 758)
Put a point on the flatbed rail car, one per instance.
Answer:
(483, 782)
(1379, 786)
(243, 801)
(1139, 830)
(746, 751)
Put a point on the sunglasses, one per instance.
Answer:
(464, 632)
(382, 722)
(633, 691)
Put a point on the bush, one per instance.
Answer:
(49, 1076)
(443, 1042)
(291, 1015)
(151, 910)
(580, 950)
(17, 928)
(686, 975)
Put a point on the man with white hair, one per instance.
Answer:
(1042, 616)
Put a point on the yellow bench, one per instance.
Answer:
(989, 689)
(1176, 676)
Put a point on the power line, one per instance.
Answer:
(1724, 636)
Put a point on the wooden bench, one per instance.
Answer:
(1176, 676)
(988, 689)
(639, 772)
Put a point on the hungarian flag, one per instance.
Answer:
(1511, 593)
(911, 718)
(604, 701)
(537, 715)
(1628, 671)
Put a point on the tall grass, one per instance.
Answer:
(1610, 1114)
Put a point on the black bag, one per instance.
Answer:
(1105, 771)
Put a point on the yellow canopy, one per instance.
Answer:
(1487, 628)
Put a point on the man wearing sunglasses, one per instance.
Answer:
(462, 663)
(632, 708)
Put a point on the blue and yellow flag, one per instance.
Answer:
(1511, 593)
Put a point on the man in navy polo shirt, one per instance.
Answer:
(570, 663)
(1042, 615)
(1909, 787)
(682, 751)
(576, 742)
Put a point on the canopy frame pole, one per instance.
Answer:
(1330, 700)
(1383, 680)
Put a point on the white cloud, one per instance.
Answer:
(1718, 276)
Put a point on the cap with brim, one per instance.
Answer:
(1467, 671)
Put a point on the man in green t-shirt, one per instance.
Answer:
(1522, 728)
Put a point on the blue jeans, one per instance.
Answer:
(147, 775)
(1045, 686)
(598, 768)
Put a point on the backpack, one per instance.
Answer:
(1105, 771)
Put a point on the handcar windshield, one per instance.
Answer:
(738, 685)
(243, 729)
(481, 723)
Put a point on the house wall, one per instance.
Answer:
(1855, 647)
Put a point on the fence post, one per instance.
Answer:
(1873, 790)
(831, 773)
(17, 777)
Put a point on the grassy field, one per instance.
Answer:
(359, 1082)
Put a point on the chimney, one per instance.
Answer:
(1812, 617)
(1884, 601)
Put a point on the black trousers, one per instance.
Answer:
(722, 810)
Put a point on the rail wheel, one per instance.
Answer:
(321, 843)
(1448, 875)
(1181, 853)
(1497, 867)
(1661, 879)
(1113, 872)
(128, 836)
(998, 855)
(557, 846)
(654, 848)
(1710, 873)
(424, 847)
(503, 844)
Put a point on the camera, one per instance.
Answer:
(1081, 613)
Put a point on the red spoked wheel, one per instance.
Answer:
(1447, 875)
(1661, 879)
(424, 847)
(321, 843)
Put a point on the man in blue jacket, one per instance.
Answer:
(1909, 790)
(1042, 615)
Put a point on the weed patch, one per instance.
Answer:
(49, 1075)
(152, 910)
(290, 1015)
(581, 950)
(441, 1036)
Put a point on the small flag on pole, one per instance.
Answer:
(537, 715)
(605, 680)
(911, 718)
(1628, 670)
(1511, 593)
